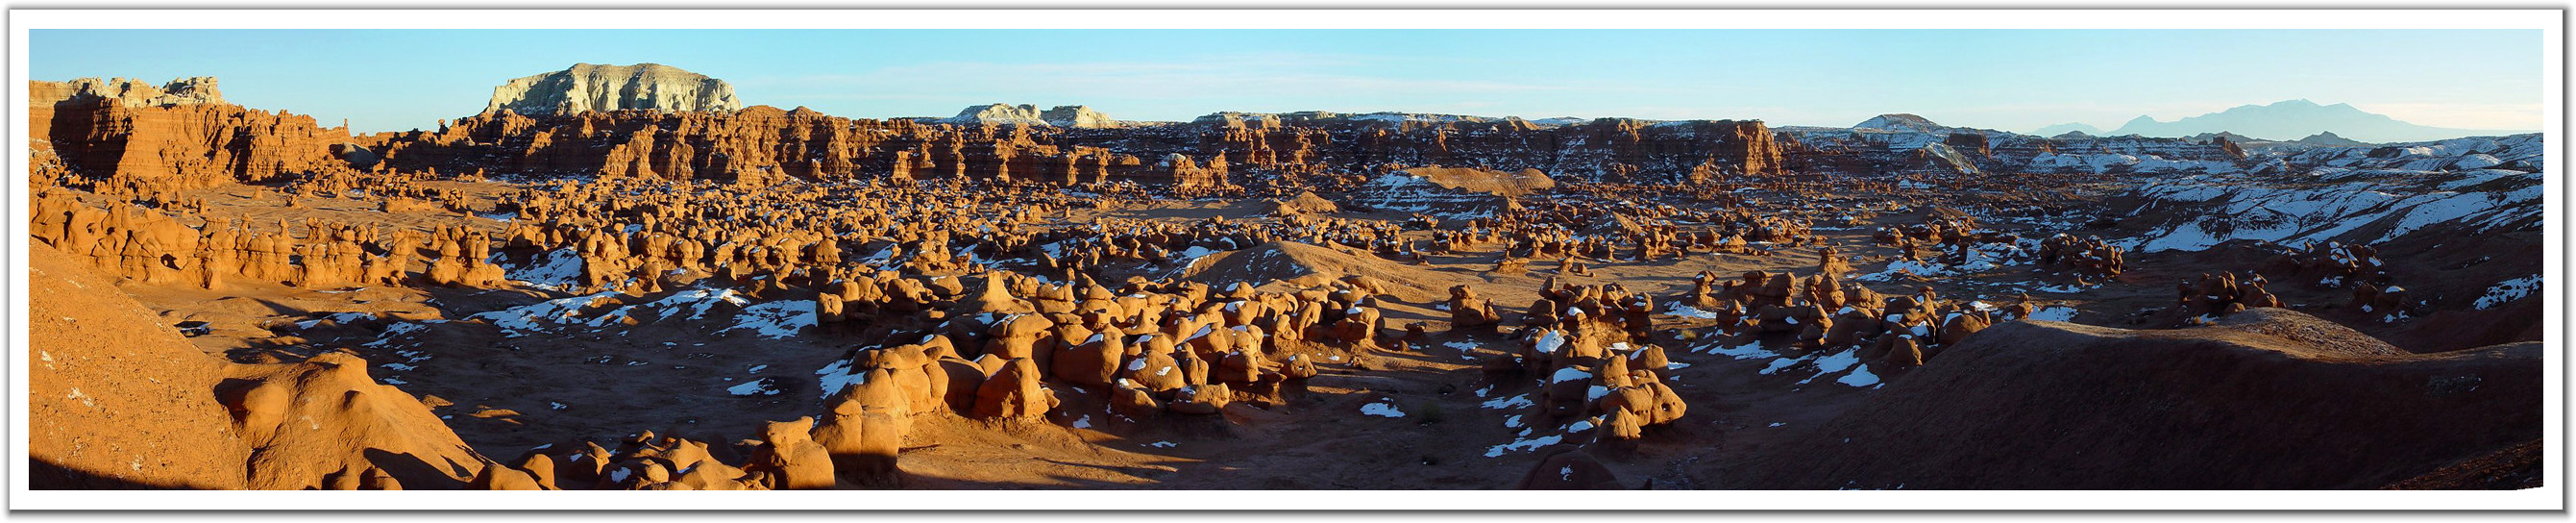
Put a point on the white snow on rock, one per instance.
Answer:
(2333, 203)
(1550, 341)
(1686, 311)
(837, 375)
(1511, 402)
(557, 270)
(1917, 268)
(535, 317)
(2509, 290)
(777, 319)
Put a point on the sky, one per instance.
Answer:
(2016, 80)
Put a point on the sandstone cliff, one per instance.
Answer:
(1076, 116)
(765, 141)
(127, 91)
(43, 96)
(590, 87)
(180, 134)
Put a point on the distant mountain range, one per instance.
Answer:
(2064, 128)
(2282, 120)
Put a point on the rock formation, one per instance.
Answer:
(200, 422)
(601, 88)
(1076, 116)
(180, 135)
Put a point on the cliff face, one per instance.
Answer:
(764, 141)
(43, 97)
(128, 92)
(589, 87)
(1602, 150)
(1908, 144)
(179, 134)
(1076, 116)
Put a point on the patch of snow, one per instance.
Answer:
(532, 318)
(761, 387)
(1835, 363)
(1749, 350)
(1859, 377)
(1381, 410)
(2053, 314)
(2509, 290)
(1781, 364)
(777, 319)
(556, 270)
(1524, 445)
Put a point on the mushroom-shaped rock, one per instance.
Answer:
(792, 455)
(864, 427)
(1014, 393)
(1202, 399)
(496, 476)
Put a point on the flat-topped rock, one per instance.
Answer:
(591, 87)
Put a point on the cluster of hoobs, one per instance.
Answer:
(155, 248)
(2336, 263)
(1584, 346)
(1909, 239)
(2089, 258)
(2208, 297)
(1152, 349)
(1822, 313)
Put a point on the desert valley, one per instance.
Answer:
(621, 277)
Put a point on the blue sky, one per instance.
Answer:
(2004, 79)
